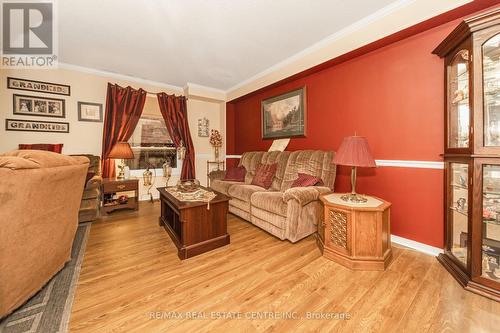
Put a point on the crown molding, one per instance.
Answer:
(98, 72)
(395, 17)
(193, 90)
(384, 22)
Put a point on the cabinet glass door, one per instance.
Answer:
(459, 207)
(458, 101)
(491, 223)
(491, 91)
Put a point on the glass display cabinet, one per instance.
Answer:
(471, 55)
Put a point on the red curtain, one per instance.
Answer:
(174, 112)
(123, 110)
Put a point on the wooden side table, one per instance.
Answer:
(356, 235)
(218, 164)
(113, 186)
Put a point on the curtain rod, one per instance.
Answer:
(147, 92)
(155, 94)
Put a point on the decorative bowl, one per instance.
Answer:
(188, 186)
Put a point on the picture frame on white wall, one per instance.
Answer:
(203, 128)
(38, 106)
(23, 125)
(90, 112)
(38, 86)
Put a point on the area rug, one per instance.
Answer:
(49, 310)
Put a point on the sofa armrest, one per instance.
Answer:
(304, 195)
(94, 182)
(216, 174)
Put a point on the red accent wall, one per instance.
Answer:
(394, 96)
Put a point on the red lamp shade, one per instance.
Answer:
(354, 151)
(121, 150)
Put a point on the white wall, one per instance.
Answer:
(215, 113)
(86, 137)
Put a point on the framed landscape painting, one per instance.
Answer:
(284, 116)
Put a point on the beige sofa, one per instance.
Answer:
(40, 193)
(285, 212)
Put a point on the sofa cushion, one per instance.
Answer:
(244, 191)
(250, 160)
(264, 175)
(306, 180)
(37, 159)
(304, 195)
(312, 162)
(236, 174)
(222, 186)
(269, 201)
(270, 222)
(95, 163)
(281, 159)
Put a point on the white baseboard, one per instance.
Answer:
(421, 247)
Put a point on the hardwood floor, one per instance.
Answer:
(132, 281)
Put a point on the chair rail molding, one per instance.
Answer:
(393, 163)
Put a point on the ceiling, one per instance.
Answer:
(214, 43)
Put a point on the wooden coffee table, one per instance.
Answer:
(194, 229)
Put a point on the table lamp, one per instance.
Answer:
(121, 150)
(354, 152)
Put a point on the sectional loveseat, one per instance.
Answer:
(284, 211)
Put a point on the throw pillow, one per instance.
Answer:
(264, 175)
(236, 174)
(56, 148)
(306, 180)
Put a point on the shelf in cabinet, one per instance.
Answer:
(463, 212)
(460, 186)
(492, 193)
(492, 222)
(464, 101)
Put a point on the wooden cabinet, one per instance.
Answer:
(472, 153)
(356, 235)
(193, 227)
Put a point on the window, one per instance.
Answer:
(151, 141)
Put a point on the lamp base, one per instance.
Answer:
(121, 174)
(354, 197)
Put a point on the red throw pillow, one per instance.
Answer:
(306, 180)
(56, 148)
(236, 174)
(264, 175)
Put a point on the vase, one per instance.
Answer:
(216, 153)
